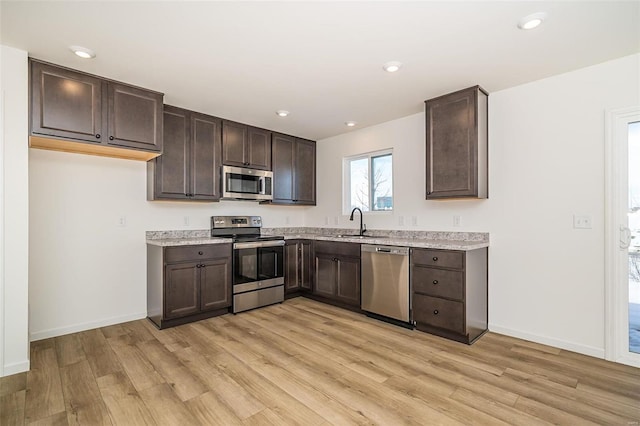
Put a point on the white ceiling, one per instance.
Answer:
(320, 60)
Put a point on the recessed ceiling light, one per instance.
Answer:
(83, 52)
(392, 66)
(282, 113)
(350, 123)
(532, 21)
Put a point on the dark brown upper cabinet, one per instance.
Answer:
(457, 165)
(189, 168)
(294, 170)
(77, 112)
(245, 146)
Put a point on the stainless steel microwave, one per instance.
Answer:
(246, 184)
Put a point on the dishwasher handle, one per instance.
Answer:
(393, 250)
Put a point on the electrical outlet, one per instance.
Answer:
(287, 220)
(326, 220)
(414, 220)
(122, 221)
(581, 221)
(186, 220)
(400, 220)
(456, 221)
(336, 220)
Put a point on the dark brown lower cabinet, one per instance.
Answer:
(450, 292)
(298, 263)
(337, 273)
(187, 283)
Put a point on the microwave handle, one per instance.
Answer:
(261, 187)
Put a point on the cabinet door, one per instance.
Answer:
(135, 117)
(452, 145)
(215, 284)
(182, 290)
(171, 169)
(283, 160)
(325, 275)
(205, 157)
(348, 281)
(291, 266)
(234, 136)
(306, 265)
(66, 104)
(305, 172)
(258, 151)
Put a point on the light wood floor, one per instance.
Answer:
(307, 363)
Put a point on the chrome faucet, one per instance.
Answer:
(363, 228)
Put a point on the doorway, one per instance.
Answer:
(622, 205)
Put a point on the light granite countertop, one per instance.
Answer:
(419, 239)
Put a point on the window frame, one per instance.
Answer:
(346, 180)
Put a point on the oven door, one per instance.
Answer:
(257, 265)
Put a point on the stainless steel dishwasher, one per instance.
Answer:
(385, 282)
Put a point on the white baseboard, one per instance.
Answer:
(561, 344)
(15, 368)
(61, 331)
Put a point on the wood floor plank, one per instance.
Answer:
(307, 363)
(12, 408)
(265, 417)
(550, 414)
(13, 383)
(130, 410)
(209, 410)
(165, 407)
(122, 400)
(101, 357)
(237, 398)
(184, 384)
(59, 419)
(140, 371)
(83, 401)
(330, 409)
(69, 349)
(539, 392)
(417, 389)
(93, 414)
(44, 389)
(138, 332)
(496, 409)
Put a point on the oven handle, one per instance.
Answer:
(258, 244)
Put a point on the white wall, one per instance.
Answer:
(14, 212)
(86, 270)
(546, 163)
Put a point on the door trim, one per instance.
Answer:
(616, 319)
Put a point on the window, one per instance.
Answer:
(368, 182)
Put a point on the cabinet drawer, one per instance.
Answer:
(438, 282)
(344, 249)
(439, 313)
(442, 258)
(195, 253)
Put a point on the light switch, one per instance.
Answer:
(581, 221)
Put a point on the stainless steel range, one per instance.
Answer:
(258, 261)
